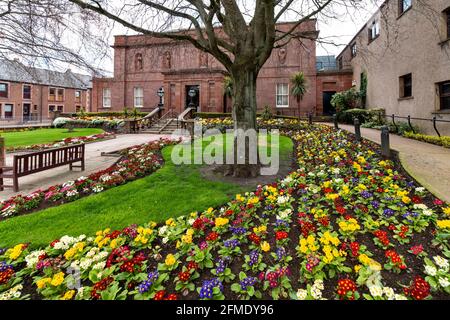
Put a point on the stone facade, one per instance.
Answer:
(405, 52)
(143, 64)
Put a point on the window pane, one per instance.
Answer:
(27, 92)
(445, 103)
(8, 110)
(3, 90)
(445, 88)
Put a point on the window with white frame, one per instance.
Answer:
(374, 30)
(106, 98)
(282, 95)
(138, 97)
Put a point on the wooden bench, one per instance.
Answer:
(26, 164)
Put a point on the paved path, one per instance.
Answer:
(427, 163)
(94, 162)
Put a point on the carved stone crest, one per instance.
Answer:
(203, 59)
(167, 60)
(282, 55)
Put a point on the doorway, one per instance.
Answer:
(192, 95)
(328, 109)
(26, 112)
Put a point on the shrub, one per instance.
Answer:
(60, 122)
(267, 113)
(345, 100)
(440, 141)
(373, 116)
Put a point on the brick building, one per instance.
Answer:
(143, 64)
(404, 49)
(32, 95)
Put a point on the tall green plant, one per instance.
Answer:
(228, 86)
(299, 86)
(363, 89)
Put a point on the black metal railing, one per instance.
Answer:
(408, 118)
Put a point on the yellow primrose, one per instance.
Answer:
(443, 224)
(113, 243)
(260, 229)
(187, 238)
(446, 210)
(239, 197)
(15, 252)
(171, 222)
(219, 222)
(253, 200)
(170, 260)
(332, 196)
(350, 225)
(406, 200)
(327, 184)
(361, 187)
(57, 279)
(357, 268)
(210, 210)
(68, 295)
(361, 160)
(41, 283)
(265, 246)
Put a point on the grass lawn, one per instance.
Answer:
(40, 136)
(171, 191)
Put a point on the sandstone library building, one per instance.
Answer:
(143, 64)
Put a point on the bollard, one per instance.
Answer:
(336, 124)
(310, 119)
(357, 129)
(385, 146)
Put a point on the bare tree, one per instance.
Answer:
(51, 33)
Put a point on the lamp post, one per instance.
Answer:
(192, 93)
(161, 96)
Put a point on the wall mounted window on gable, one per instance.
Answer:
(404, 5)
(374, 30)
(353, 49)
(406, 86)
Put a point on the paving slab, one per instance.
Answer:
(429, 164)
(94, 162)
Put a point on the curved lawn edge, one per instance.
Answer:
(155, 197)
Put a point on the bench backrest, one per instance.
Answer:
(43, 160)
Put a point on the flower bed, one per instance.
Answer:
(345, 225)
(135, 162)
(64, 142)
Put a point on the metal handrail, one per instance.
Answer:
(434, 120)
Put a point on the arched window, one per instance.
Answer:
(139, 64)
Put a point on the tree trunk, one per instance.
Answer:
(244, 116)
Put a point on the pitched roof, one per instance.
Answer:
(18, 72)
(326, 63)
